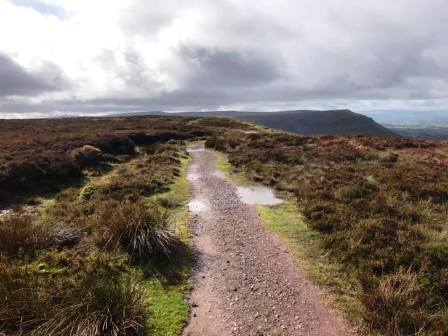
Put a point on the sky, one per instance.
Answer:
(87, 57)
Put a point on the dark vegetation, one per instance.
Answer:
(340, 122)
(78, 264)
(381, 205)
(305, 122)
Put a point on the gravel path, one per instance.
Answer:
(245, 282)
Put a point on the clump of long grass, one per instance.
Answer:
(19, 236)
(99, 305)
(141, 230)
(21, 306)
(93, 300)
(395, 305)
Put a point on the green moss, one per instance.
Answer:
(340, 285)
(168, 309)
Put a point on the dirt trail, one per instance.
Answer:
(246, 282)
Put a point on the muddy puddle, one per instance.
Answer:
(196, 206)
(258, 196)
(193, 176)
(219, 173)
(5, 213)
(195, 148)
(26, 210)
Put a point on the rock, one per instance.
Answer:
(65, 238)
(86, 155)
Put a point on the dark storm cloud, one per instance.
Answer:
(17, 81)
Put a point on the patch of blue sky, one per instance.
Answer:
(42, 7)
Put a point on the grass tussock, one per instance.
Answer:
(395, 304)
(98, 306)
(141, 230)
(20, 308)
(21, 237)
(88, 298)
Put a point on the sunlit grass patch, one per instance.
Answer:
(224, 166)
(223, 163)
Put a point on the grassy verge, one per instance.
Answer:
(166, 290)
(223, 165)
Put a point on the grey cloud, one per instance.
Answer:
(212, 68)
(132, 71)
(18, 81)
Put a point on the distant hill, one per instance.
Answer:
(429, 132)
(305, 122)
(405, 118)
(432, 125)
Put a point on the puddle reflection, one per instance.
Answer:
(258, 195)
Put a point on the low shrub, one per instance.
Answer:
(216, 143)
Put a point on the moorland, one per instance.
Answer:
(95, 237)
